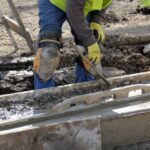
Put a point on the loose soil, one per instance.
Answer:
(33, 105)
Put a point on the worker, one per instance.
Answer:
(83, 17)
(145, 3)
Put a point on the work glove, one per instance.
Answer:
(98, 32)
(93, 54)
(46, 61)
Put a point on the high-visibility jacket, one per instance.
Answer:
(145, 3)
(90, 5)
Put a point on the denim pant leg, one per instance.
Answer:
(81, 74)
(51, 19)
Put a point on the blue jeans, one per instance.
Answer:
(51, 20)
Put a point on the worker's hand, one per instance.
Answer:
(98, 32)
(94, 53)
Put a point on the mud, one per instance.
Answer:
(145, 11)
(130, 59)
(18, 81)
(13, 85)
(34, 105)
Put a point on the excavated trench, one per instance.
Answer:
(127, 58)
(20, 78)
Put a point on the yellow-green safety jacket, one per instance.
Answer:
(90, 5)
(145, 3)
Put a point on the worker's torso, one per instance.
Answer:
(90, 5)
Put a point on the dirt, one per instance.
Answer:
(127, 58)
(18, 81)
(33, 105)
(145, 11)
(12, 85)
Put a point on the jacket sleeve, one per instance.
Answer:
(77, 21)
(97, 16)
